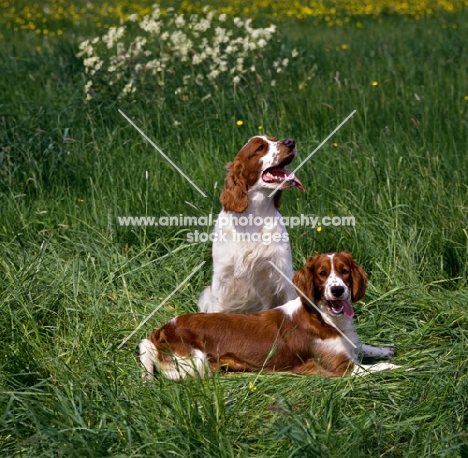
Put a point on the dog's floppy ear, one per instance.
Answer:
(234, 196)
(359, 279)
(304, 280)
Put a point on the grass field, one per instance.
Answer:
(74, 284)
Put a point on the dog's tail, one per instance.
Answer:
(148, 357)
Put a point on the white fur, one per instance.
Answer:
(175, 368)
(334, 280)
(196, 365)
(243, 278)
(148, 357)
(338, 345)
(362, 370)
(291, 307)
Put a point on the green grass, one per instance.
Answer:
(74, 284)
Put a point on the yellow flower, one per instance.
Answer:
(252, 388)
(344, 46)
(319, 229)
(465, 98)
(375, 83)
(335, 145)
(239, 122)
(80, 200)
(260, 127)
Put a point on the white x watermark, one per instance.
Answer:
(312, 153)
(161, 153)
(194, 271)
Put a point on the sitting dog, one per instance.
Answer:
(249, 232)
(313, 334)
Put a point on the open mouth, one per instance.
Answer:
(278, 174)
(338, 307)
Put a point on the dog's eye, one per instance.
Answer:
(322, 273)
(260, 148)
(345, 271)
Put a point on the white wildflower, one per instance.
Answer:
(182, 44)
(137, 46)
(154, 66)
(240, 64)
(230, 49)
(223, 66)
(120, 49)
(150, 25)
(179, 21)
(86, 49)
(197, 59)
(202, 26)
(156, 14)
(213, 75)
(170, 46)
(87, 90)
(113, 34)
(92, 64)
(128, 89)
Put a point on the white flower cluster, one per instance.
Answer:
(189, 50)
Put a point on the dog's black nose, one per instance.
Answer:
(289, 142)
(337, 291)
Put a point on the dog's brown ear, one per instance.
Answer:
(304, 279)
(234, 196)
(359, 279)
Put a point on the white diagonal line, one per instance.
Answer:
(161, 304)
(312, 153)
(161, 153)
(311, 303)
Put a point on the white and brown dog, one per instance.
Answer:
(249, 231)
(313, 334)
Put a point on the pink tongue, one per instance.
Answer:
(298, 184)
(347, 309)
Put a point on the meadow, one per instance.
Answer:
(75, 285)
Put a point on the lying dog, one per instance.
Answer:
(249, 231)
(312, 335)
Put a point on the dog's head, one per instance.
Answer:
(332, 279)
(259, 164)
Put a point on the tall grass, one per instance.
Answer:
(75, 284)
